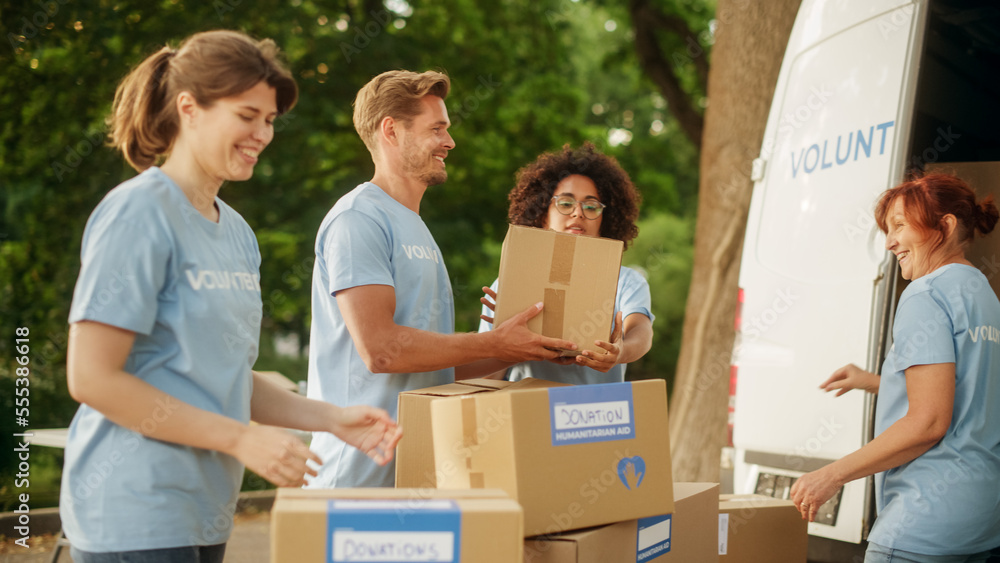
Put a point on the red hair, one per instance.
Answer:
(928, 198)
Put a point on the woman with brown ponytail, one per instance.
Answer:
(936, 452)
(165, 320)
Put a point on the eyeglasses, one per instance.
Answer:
(565, 204)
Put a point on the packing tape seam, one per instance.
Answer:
(561, 267)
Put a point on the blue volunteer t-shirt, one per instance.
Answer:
(369, 238)
(632, 298)
(945, 501)
(189, 289)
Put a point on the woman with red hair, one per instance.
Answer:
(936, 453)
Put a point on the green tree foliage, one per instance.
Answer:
(664, 255)
(528, 76)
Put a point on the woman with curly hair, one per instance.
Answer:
(584, 192)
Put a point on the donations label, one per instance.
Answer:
(393, 531)
(591, 413)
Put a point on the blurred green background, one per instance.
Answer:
(527, 77)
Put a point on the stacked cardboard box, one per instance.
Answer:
(589, 467)
(694, 535)
(761, 529)
(573, 457)
(337, 525)
(688, 535)
(415, 466)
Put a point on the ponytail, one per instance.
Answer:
(210, 65)
(143, 122)
(986, 215)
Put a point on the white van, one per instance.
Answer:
(868, 90)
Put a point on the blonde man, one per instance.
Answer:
(383, 314)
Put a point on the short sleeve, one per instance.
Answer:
(357, 251)
(123, 268)
(922, 332)
(635, 296)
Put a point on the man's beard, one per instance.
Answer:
(434, 178)
(419, 169)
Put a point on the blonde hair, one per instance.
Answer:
(395, 94)
(210, 65)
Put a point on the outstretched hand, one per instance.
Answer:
(851, 377)
(275, 455)
(370, 430)
(812, 490)
(609, 359)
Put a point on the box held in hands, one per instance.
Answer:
(576, 277)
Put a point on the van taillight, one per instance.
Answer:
(732, 403)
(739, 309)
(733, 370)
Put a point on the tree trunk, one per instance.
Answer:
(647, 20)
(750, 42)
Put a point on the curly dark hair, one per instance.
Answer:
(536, 183)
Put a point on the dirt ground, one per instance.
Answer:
(250, 543)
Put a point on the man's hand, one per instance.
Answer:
(516, 343)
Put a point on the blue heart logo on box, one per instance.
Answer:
(631, 469)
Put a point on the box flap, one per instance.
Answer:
(448, 390)
(533, 383)
(387, 493)
(738, 502)
(685, 490)
(575, 535)
(486, 383)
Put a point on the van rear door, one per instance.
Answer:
(812, 259)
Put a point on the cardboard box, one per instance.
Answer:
(334, 525)
(689, 535)
(573, 457)
(695, 537)
(575, 276)
(603, 544)
(415, 451)
(761, 529)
